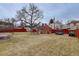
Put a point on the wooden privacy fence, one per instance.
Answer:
(66, 31)
(77, 33)
(14, 30)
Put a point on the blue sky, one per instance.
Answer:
(60, 11)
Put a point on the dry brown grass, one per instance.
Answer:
(44, 44)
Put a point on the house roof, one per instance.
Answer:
(73, 22)
(58, 22)
(4, 22)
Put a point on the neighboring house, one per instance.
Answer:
(5, 25)
(73, 25)
(55, 24)
(65, 26)
(58, 25)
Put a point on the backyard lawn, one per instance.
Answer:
(25, 43)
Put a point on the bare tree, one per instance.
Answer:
(30, 16)
(11, 22)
